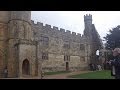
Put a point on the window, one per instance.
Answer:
(83, 59)
(82, 47)
(44, 56)
(66, 46)
(44, 40)
(66, 58)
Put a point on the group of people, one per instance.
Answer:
(115, 63)
(94, 67)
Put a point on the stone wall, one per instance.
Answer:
(19, 36)
(3, 47)
(54, 63)
(57, 63)
(56, 50)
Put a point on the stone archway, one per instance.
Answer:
(26, 67)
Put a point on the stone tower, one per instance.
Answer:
(21, 46)
(4, 17)
(93, 36)
(88, 25)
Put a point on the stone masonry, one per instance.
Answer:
(27, 48)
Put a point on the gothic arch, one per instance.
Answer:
(26, 67)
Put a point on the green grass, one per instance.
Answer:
(58, 72)
(105, 74)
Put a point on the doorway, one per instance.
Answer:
(26, 67)
(67, 66)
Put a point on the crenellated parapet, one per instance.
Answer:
(73, 33)
(39, 24)
(62, 30)
(78, 34)
(87, 17)
(58, 32)
(68, 32)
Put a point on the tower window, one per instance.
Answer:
(44, 56)
(44, 41)
(66, 46)
(82, 47)
(66, 58)
(83, 59)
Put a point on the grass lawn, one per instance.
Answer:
(105, 74)
(58, 72)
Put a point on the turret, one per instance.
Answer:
(19, 28)
(21, 15)
(88, 20)
(88, 24)
(20, 22)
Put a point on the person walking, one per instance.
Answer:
(115, 63)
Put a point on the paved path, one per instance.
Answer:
(57, 76)
(63, 76)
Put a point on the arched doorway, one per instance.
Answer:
(26, 67)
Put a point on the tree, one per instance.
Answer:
(113, 38)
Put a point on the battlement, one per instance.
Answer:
(73, 33)
(87, 17)
(55, 28)
(48, 26)
(78, 34)
(62, 30)
(68, 32)
(39, 24)
(58, 31)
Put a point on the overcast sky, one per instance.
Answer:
(74, 20)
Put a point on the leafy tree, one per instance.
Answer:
(113, 38)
